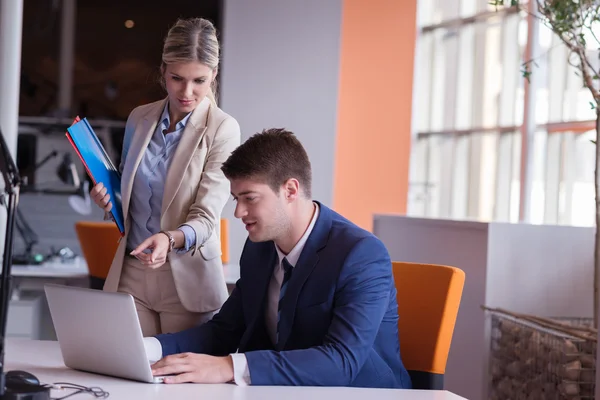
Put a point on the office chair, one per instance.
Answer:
(428, 301)
(224, 236)
(99, 242)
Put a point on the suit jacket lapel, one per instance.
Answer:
(142, 136)
(190, 139)
(257, 285)
(307, 262)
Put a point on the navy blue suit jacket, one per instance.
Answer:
(339, 319)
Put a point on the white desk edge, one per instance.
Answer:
(43, 359)
(78, 269)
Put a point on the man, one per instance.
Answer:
(315, 304)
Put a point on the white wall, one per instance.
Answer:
(280, 68)
(545, 270)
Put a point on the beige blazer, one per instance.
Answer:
(195, 193)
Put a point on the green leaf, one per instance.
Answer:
(499, 3)
(526, 72)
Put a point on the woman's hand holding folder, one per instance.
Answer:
(102, 200)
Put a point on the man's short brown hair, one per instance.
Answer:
(272, 156)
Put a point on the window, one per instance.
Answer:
(488, 144)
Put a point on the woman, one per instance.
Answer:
(173, 190)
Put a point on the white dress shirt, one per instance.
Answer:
(240, 363)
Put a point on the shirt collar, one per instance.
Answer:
(166, 119)
(294, 255)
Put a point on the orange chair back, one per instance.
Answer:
(428, 301)
(224, 240)
(99, 242)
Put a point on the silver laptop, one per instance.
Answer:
(99, 332)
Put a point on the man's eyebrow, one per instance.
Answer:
(243, 193)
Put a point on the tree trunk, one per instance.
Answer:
(597, 241)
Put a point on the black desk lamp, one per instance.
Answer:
(12, 184)
(79, 197)
(67, 171)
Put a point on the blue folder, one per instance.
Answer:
(98, 165)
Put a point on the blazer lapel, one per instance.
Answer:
(257, 285)
(305, 266)
(190, 139)
(142, 136)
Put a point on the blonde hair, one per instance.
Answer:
(193, 40)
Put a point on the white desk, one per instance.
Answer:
(43, 359)
(78, 269)
(75, 269)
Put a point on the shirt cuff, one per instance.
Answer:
(241, 374)
(153, 349)
(190, 238)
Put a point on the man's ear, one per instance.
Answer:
(291, 189)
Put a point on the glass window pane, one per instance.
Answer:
(584, 110)
(464, 92)
(438, 83)
(576, 99)
(510, 67)
(417, 183)
(436, 16)
(423, 77)
(434, 175)
(450, 9)
(478, 76)
(468, 7)
(515, 189)
(492, 65)
(487, 193)
(539, 73)
(538, 177)
(557, 76)
(460, 178)
(583, 204)
(451, 73)
(425, 13)
(503, 178)
(520, 94)
(447, 146)
(553, 168)
(482, 175)
(566, 178)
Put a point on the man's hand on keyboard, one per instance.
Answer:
(197, 368)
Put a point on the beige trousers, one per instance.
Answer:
(157, 303)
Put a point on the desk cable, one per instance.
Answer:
(95, 391)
